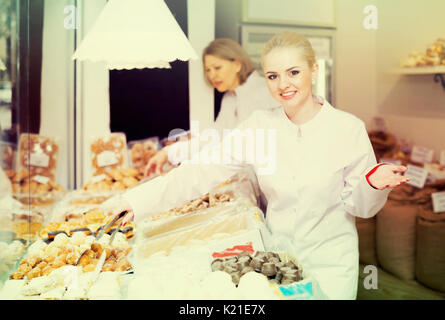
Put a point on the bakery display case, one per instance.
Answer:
(73, 255)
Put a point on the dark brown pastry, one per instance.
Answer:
(291, 265)
(292, 271)
(284, 269)
(230, 268)
(272, 255)
(243, 254)
(300, 275)
(231, 259)
(235, 277)
(289, 276)
(242, 264)
(274, 260)
(260, 254)
(245, 258)
(279, 276)
(246, 270)
(269, 269)
(217, 265)
(256, 264)
(279, 265)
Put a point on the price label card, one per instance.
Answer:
(442, 158)
(421, 155)
(39, 160)
(98, 178)
(40, 179)
(417, 176)
(107, 158)
(438, 201)
(392, 161)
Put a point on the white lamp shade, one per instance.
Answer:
(138, 34)
(2, 65)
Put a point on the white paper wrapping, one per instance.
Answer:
(135, 34)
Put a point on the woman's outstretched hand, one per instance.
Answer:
(155, 164)
(387, 176)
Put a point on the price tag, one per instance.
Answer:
(438, 201)
(39, 160)
(392, 161)
(98, 178)
(107, 158)
(442, 158)
(421, 155)
(40, 179)
(417, 176)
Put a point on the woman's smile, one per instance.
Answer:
(288, 95)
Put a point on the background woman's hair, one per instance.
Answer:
(289, 39)
(230, 50)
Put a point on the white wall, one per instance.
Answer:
(413, 106)
(93, 105)
(355, 62)
(57, 85)
(227, 19)
(201, 31)
(57, 102)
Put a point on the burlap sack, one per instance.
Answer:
(430, 257)
(382, 142)
(366, 229)
(396, 238)
(396, 230)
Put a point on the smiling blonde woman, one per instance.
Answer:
(326, 173)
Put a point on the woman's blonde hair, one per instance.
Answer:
(230, 50)
(289, 39)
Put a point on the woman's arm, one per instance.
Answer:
(214, 164)
(187, 182)
(360, 198)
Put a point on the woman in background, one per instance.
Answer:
(228, 69)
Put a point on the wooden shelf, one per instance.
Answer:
(420, 70)
(437, 71)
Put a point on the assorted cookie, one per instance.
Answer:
(108, 153)
(114, 180)
(141, 153)
(266, 263)
(204, 202)
(78, 250)
(38, 155)
(34, 189)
